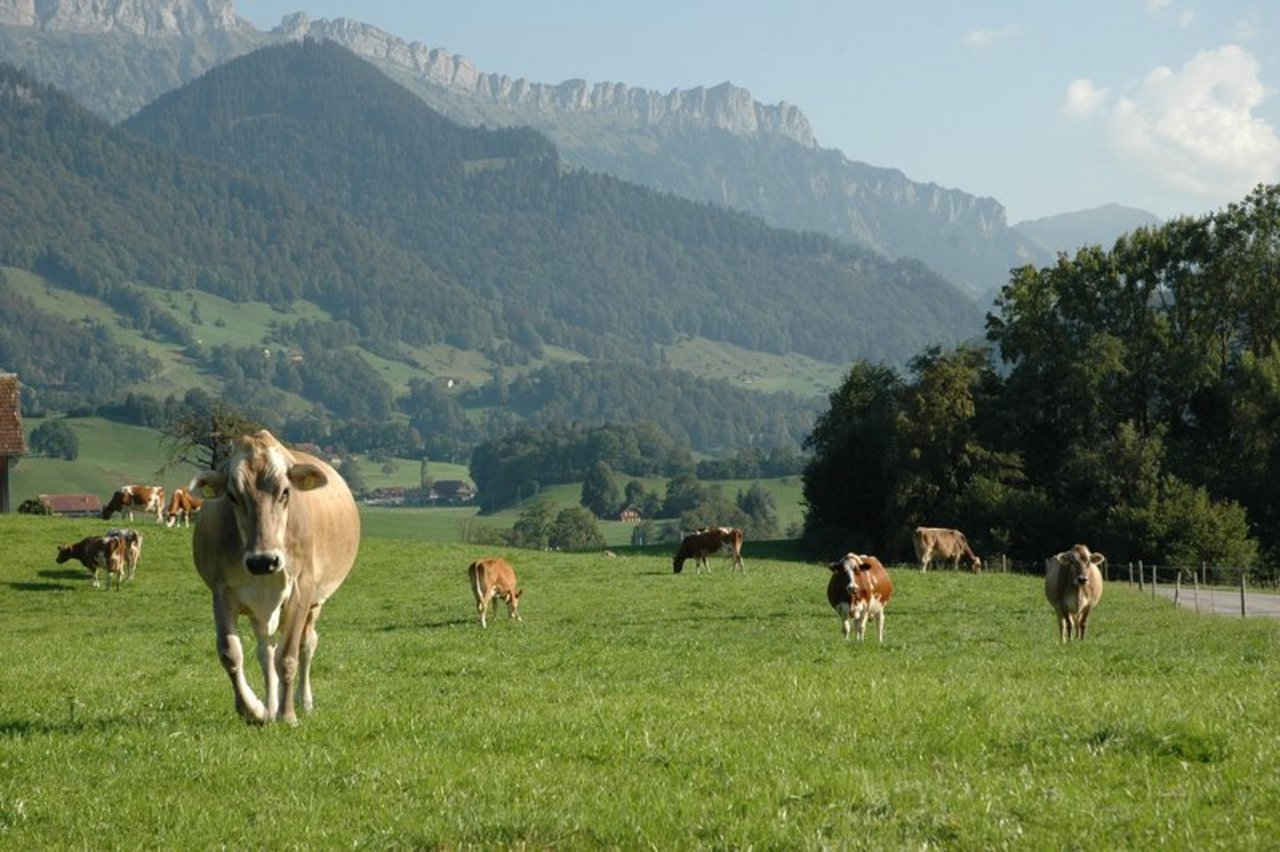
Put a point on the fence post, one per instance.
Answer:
(1139, 575)
(1195, 582)
(1177, 587)
(1130, 573)
(1153, 581)
(1242, 583)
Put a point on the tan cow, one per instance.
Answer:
(940, 543)
(858, 589)
(98, 553)
(132, 549)
(277, 536)
(494, 579)
(182, 505)
(703, 543)
(144, 498)
(1073, 585)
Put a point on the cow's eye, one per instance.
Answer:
(284, 497)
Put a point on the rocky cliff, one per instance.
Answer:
(723, 107)
(137, 17)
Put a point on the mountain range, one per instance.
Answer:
(708, 143)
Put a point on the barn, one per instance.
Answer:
(13, 442)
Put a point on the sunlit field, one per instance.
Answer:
(631, 708)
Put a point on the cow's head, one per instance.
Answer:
(65, 552)
(513, 604)
(849, 564)
(1080, 561)
(257, 480)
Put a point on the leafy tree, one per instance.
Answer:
(758, 505)
(574, 528)
(204, 439)
(532, 530)
(56, 440)
(600, 491)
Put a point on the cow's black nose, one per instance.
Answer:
(262, 563)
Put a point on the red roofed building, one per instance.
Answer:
(73, 505)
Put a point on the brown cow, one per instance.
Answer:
(97, 553)
(707, 542)
(132, 549)
(277, 536)
(144, 498)
(859, 588)
(939, 543)
(492, 579)
(182, 505)
(1073, 586)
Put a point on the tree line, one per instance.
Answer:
(1128, 398)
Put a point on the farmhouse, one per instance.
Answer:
(631, 515)
(73, 505)
(452, 492)
(12, 441)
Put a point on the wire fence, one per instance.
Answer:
(1218, 589)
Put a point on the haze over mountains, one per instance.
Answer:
(714, 144)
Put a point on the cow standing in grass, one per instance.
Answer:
(143, 498)
(858, 589)
(277, 536)
(932, 543)
(703, 543)
(98, 553)
(1073, 585)
(182, 506)
(132, 549)
(494, 579)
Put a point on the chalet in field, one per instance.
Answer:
(631, 515)
(13, 442)
(452, 492)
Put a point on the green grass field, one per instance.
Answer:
(631, 709)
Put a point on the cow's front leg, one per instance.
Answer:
(266, 660)
(310, 639)
(231, 655)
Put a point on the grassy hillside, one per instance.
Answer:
(670, 712)
(112, 454)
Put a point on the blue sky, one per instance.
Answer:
(1048, 107)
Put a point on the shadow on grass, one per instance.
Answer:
(64, 574)
(39, 587)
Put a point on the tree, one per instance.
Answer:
(758, 505)
(204, 439)
(532, 530)
(56, 440)
(600, 491)
(574, 528)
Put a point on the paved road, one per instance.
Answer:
(1225, 601)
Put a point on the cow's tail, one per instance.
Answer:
(474, 571)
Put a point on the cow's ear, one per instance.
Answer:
(306, 476)
(1097, 558)
(211, 483)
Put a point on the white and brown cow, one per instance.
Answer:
(144, 498)
(858, 589)
(494, 579)
(98, 553)
(700, 544)
(132, 549)
(940, 543)
(1073, 585)
(277, 536)
(182, 505)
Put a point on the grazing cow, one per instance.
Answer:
(859, 588)
(1073, 585)
(144, 498)
(182, 505)
(97, 553)
(707, 542)
(132, 549)
(493, 579)
(938, 543)
(277, 536)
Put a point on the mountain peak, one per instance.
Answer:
(724, 107)
(136, 17)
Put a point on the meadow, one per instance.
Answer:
(631, 708)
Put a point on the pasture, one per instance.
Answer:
(632, 708)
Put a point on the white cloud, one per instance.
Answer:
(1157, 5)
(1084, 99)
(1194, 129)
(984, 38)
